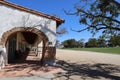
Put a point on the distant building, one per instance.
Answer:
(22, 28)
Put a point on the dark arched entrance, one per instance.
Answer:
(11, 40)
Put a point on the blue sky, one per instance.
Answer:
(56, 7)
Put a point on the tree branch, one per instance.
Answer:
(80, 10)
(107, 18)
(80, 30)
(115, 2)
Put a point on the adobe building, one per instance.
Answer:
(22, 28)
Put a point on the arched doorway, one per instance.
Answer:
(20, 38)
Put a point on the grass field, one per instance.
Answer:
(104, 50)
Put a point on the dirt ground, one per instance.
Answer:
(87, 57)
(71, 65)
(85, 65)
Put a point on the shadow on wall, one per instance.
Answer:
(88, 71)
(45, 28)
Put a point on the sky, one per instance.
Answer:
(57, 7)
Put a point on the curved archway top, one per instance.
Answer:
(23, 29)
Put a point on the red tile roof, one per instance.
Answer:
(59, 20)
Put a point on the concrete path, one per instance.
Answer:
(37, 77)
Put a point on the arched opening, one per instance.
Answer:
(18, 41)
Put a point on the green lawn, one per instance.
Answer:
(104, 50)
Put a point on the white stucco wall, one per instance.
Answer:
(10, 18)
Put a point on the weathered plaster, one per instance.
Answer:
(10, 18)
(13, 20)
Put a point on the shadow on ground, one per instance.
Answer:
(92, 71)
(26, 67)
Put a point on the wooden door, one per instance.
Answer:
(12, 49)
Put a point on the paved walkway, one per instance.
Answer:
(37, 77)
(28, 68)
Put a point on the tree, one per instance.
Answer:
(99, 15)
(81, 43)
(70, 43)
(92, 42)
(101, 42)
(115, 40)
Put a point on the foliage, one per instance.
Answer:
(99, 15)
(92, 42)
(115, 40)
(70, 43)
(101, 41)
(81, 43)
